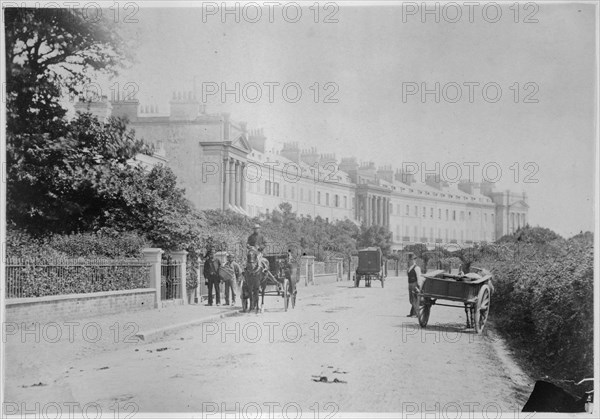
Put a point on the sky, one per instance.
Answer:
(535, 120)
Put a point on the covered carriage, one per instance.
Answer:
(370, 267)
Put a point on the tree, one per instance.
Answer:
(152, 204)
(377, 236)
(66, 180)
(52, 52)
(60, 173)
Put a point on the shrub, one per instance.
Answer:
(543, 302)
(105, 244)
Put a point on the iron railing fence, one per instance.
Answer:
(30, 277)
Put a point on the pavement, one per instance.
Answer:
(32, 349)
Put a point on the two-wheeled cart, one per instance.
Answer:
(472, 290)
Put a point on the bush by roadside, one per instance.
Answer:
(544, 301)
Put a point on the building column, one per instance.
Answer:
(387, 212)
(243, 186)
(238, 184)
(226, 181)
(376, 210)
(232, 181)
(379, 211)
(367, 212)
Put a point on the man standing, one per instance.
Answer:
(211, 273)
(230, 274)
(414, 273)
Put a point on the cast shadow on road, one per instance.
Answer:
(444, 328)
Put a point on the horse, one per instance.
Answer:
(253, 279)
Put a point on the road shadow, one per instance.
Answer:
(437, 327)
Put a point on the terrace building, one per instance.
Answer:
(223, 165)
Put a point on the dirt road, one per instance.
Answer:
(347, 350)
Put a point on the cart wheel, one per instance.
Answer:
(424, 307)
(286, 294)
(356, 280)
(482, 309)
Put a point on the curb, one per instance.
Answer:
(150, 335)
(154, 334)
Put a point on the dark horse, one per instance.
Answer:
(253, 277)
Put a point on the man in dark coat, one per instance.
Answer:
(211, 273)
(256, 239)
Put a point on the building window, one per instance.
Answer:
(276, 188)
(267, 187)
(431, 213)
(440, 213)
(301, 194)
(424, 212)
(345, 201)
(454, 217)
(327, 198)
(284, 191)
(416, 214)
(462, 216)
(415, 233)
(319, 197)
(336, 200)
(446, 216)
(470, 218)
(485, 217)
(407, 210)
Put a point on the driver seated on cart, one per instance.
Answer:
(257, 241)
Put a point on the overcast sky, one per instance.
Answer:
(373, 55)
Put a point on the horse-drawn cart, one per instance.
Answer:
(370, 266)
(279, 280)
(473, 290)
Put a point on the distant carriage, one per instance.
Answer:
(370, 266)
(279, 280)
